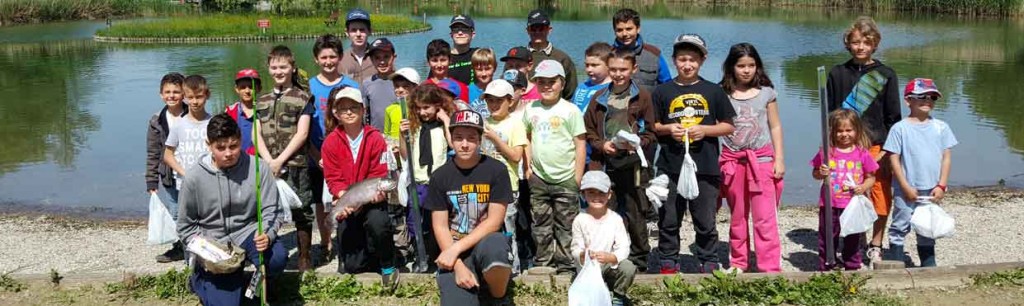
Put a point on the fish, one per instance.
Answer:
(360, 194)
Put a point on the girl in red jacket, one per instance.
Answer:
(353, 152)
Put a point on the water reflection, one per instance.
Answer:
(45, 115)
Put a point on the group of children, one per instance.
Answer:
(466, 125)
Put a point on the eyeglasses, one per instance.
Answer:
(537, 28)
(923, 97)
(351, 109)
(463, 30)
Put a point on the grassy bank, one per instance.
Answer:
(33, 11)
(224, 25)
(952, 7)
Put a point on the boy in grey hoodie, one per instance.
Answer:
(218, 201)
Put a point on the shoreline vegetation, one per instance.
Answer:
(227, 27)
(13, 12)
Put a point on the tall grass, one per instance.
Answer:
(29, 11)
(952, 7)
(225, 25)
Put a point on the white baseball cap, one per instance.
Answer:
(350, 93)
(499, 88)
(409, 74)
(549, 69)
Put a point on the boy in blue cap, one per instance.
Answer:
(354, 62)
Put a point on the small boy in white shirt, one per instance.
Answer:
(601, 233)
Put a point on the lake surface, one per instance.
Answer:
(73, 112)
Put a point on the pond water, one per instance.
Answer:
(74, 112)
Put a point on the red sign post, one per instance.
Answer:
(263, 24)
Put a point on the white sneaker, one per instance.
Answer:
(874, 255)
(732, 270)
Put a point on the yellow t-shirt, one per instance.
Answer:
(392, 120)
(512, 132)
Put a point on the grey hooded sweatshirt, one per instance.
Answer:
(221, 204)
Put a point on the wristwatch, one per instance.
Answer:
(943, 187)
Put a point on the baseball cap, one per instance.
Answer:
(249, 73)
(450, 86)
(461, 19)
(537, 17)
(357, 14)
(920, 86)
(519, 53)
(690, 39)
(350, 93)
(515, 77)
(408, 74)
(467, 118)
(381, 44)
(596, 180)
(499, 88)
(549, 69)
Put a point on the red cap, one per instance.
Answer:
(920, 86)
(247, 73)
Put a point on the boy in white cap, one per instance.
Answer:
(555, 128)
(601, 235)
(505, 141)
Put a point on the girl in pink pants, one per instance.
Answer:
(752, 161)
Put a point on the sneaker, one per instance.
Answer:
(732, 270)
(390, 281)
(709, 267)
(874, 255)
(669, 267)
(176, 253)
(618, 301)
(541, 270)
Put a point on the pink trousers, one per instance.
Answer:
(753, 196)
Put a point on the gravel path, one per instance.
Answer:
(989, 230)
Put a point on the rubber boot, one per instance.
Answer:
(927, 254)
(305, 239)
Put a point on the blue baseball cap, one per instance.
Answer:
(450, 86)
(357, 14)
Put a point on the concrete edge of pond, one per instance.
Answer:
(158, 40)
(896, 279)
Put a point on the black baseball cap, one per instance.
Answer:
(462, 19)
(381, 44)
(537, 17)
(520, 53)
(357, 14)
(467, 118)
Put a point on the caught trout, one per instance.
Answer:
(360, 194)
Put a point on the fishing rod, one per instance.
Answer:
(830, 254)
(417, 218)
(261, 273)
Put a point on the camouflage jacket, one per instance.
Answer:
(279, 121)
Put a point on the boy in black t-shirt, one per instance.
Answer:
(693, 107)
(467, 203)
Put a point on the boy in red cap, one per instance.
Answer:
(247, 86)
(919, 154)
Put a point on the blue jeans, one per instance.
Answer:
(172, 205)
(901, 213)
(227, 289)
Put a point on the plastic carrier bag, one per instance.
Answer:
(326, 197)
(858, 217)
(589, 289)
(289, 199)
(162, 229)
(687, 183)
(931, 221)
(403, 185)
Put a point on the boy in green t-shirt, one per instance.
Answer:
(555, 127)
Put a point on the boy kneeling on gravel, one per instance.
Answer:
(218, 203)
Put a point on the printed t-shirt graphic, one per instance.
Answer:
(865, 91)
(690, 109)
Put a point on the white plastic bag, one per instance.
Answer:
(289, 200)
(931, 221)
(403, 185)
(858, 217)
(589, 289)
(162, 229)
(327, 197)
(657, 193)
(284, 215)
(687, 183)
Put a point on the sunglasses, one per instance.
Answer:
(351, 109)
(463, 30)
(923, 97)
